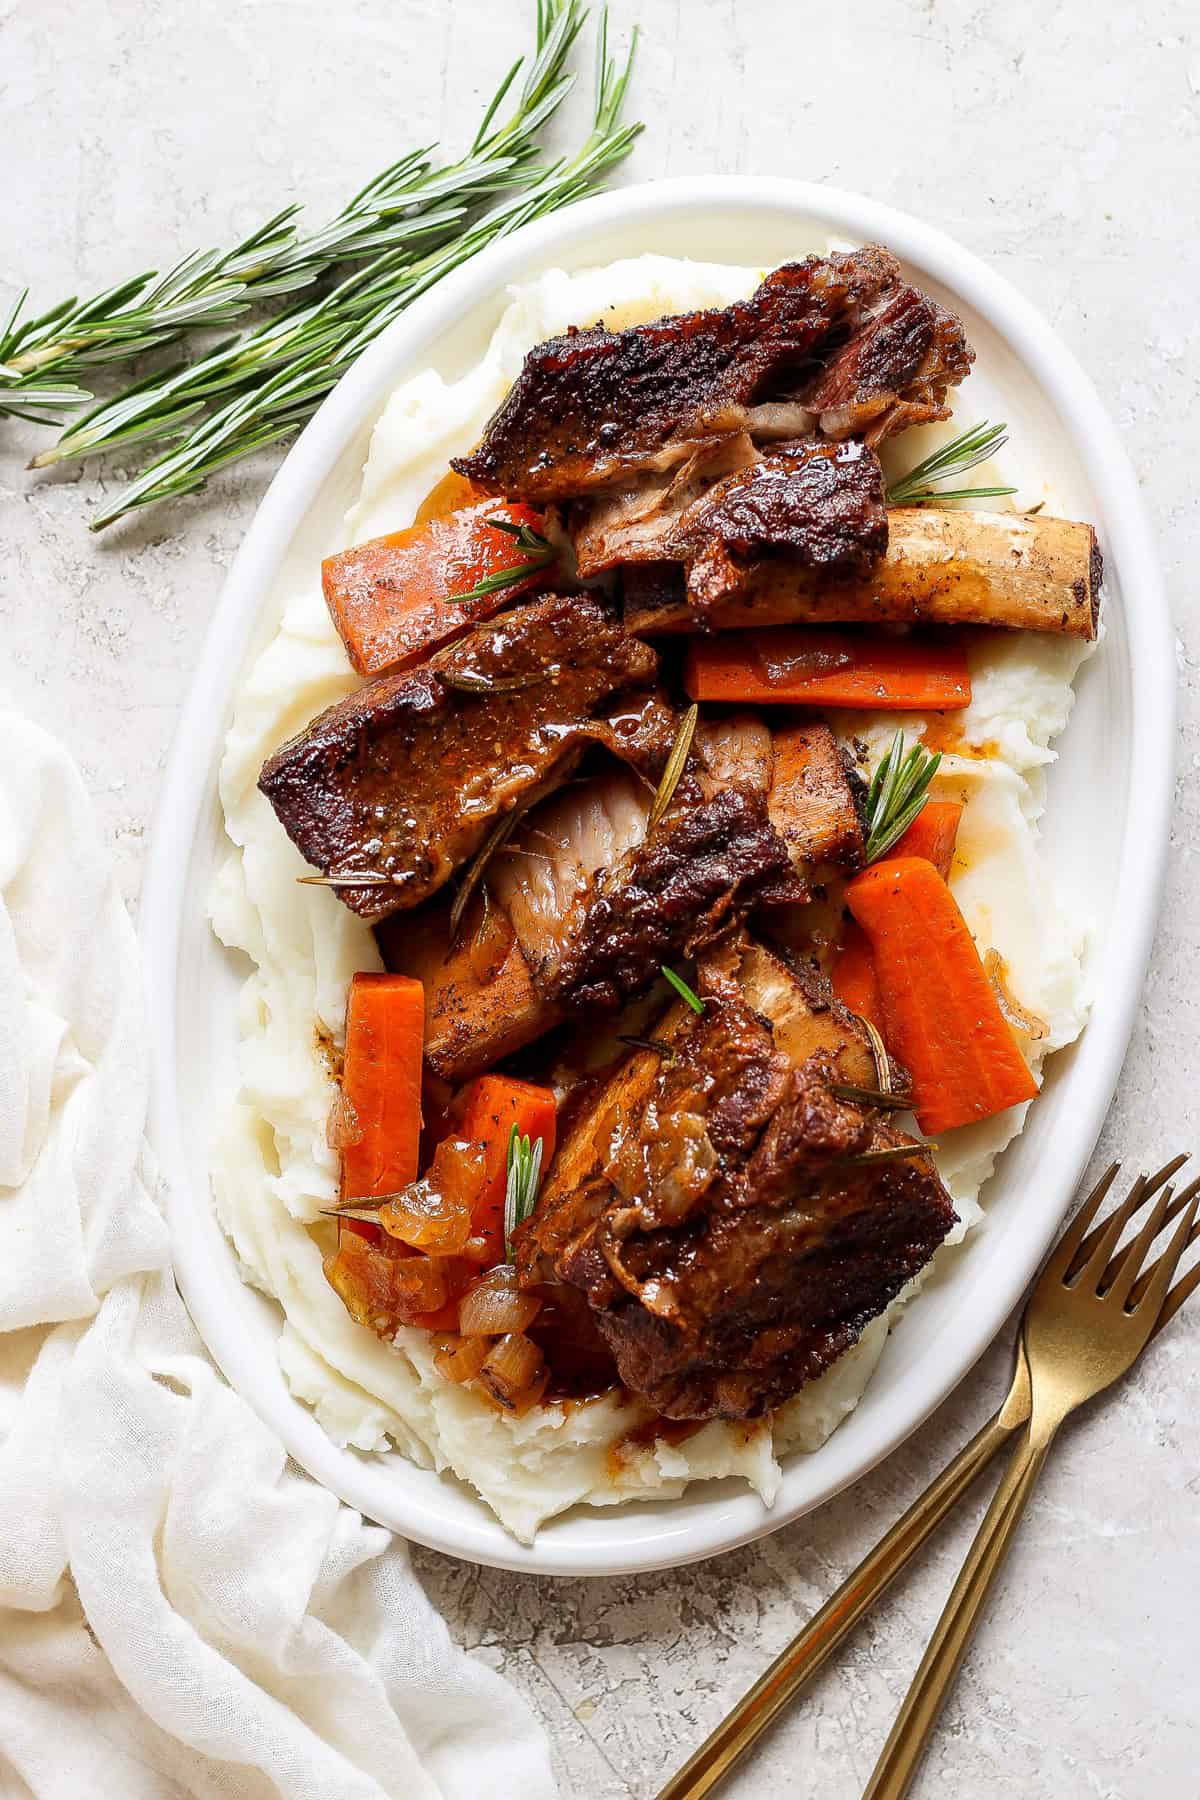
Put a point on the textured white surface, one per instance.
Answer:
(1062, 144)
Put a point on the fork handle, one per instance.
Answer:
(799, 1662)
(931, 1683)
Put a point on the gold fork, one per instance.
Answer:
(1084, 1327)
(812, 1647)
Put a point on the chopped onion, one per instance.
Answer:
(515, 1373)
(343, 1127)
(419, 1284)
(460, 1358)
(1017, 1016)
(478, 1249)
(434, 1213)
(496, 1305)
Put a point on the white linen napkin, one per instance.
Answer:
(182, 1612)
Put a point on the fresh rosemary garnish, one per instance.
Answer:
(541, 554)
(890, 1153)
(660, 1046)
(524, 1175)
(260, 387)
(676, 764)
(351, 1209)
(861, 1096)
(682, 989)
(958, 457)
(898, 791)
(879, 1055)
(361, 878)
(500, 833)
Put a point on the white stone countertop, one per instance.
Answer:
(1062, 143)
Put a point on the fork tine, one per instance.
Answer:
(1183, 1288)
(1180, 1292)
(1073, 1237)
(1125, 1268)
(1139, 1193)
(1164, 1269)
(1091, 1273)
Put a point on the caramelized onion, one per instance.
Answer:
(343, 1126)
(515, 1373)
(496, 1305)
(460, 1358)
(478, 1250)
(434, 1213)
(419, 1283)
(1017, 1016)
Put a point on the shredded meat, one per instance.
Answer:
(710, 1207)
(407, 775)
(838, 344)
(581, 910)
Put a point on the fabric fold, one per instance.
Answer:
(182, 1611)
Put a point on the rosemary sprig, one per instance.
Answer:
(43, 358)
(524, 1177)
(958, 457)
(541, 553)
(898, 791)
(681, 987)
(259, 388)
(676, 764)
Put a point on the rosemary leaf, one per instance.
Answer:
(961, 454)
(899, 789)
(681, 987)
(883, 1066)
(524, 1177)
(676, 764)
(890, 1153)
(350, 1210)
(500, 833)
(881, 1097)
(660, 1046)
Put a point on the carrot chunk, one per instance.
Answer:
(800, 665)
(933, 835)
(495, 1103)
(942, 1017)
(854, 979)
(381, 1082)
(396, 598)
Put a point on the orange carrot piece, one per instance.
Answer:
(801, 665)
(381, 1080)
(943, 1020)
(932, 834)
(854, 979)
(396, 598)
(495, 1103)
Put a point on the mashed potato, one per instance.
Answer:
(272, 1169)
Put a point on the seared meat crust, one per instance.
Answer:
(821, 506)
(407, 775)
(592, 408)
(699, 873)
(710, 1207)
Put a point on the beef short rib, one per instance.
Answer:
(713, 1207)
(839, 345)
(407, 775)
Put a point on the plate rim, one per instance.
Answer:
(1130, 547)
